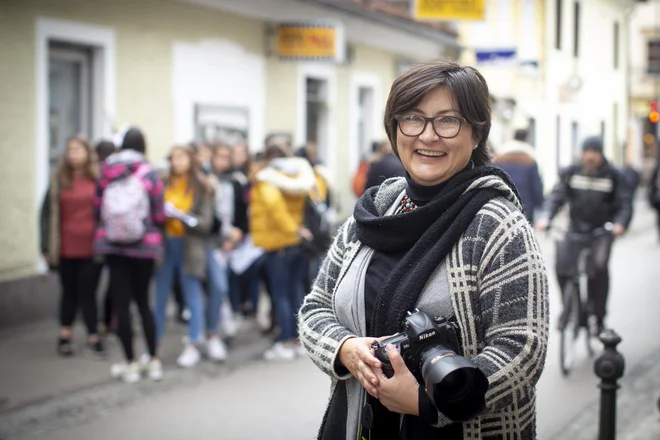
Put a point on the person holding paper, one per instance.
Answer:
(188, 201)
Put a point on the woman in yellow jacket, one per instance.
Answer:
(276, 223)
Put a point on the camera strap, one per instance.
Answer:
(366, 422)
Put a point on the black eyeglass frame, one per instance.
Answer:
(461, 121)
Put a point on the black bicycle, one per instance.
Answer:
(577, 313)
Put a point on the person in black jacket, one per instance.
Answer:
(387, 166)
(596, 194)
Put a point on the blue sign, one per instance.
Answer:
(496, 56)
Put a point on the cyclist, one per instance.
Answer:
(596, 194)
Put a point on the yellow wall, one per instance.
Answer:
(366, 60)
(281, 98)
(145, 32)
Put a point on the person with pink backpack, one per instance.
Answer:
(130, 211)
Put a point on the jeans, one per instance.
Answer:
(285, 272)
(192, 291)
(245, 287)
(218, 287)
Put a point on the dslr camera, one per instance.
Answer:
(429, 347)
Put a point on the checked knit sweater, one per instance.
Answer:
(499, 291)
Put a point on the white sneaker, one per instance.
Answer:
(189, 357)
(155, 370)
(217, 350)
(228, 321)
(279, 351)
(300, 350)
(144, 361)
(129, 373)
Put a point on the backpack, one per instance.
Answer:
(125, 208)
(317, 220)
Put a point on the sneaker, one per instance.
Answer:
(279, 351)
(154, 370)
(216, 349)
(64, 347)
(189, 357)
(96, 350)
(228, 321)
(144, 360)
(300, 350)
(129, 373)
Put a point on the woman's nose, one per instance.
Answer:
(428, 135)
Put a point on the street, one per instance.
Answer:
(286, 400)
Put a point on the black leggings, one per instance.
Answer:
(79, 278)
(129, 280)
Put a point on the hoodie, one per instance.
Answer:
(517, 159)
(278, 203)
(115, 167)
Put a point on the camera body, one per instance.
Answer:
(430, 347)
(420, 332)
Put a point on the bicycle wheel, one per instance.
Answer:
(569, 326)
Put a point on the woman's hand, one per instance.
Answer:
(356, 355)
(400, 393)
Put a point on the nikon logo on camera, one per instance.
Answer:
(426, 335)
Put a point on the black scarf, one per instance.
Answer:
(429, 232)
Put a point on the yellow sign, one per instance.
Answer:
(309, 41)
(445, 10)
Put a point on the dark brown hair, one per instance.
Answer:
(274, 152)
(197, 182)
(65, 171)
(469, 90)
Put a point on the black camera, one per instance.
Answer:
(429, 347)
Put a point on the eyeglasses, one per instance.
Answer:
(446, 127)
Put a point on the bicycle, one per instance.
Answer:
(578, 311)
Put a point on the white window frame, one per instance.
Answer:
(102, 40)
(358, 81)
(328, 74)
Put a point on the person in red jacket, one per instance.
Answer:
(67, 236)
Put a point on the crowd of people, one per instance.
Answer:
(213, 228)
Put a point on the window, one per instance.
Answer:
(365, 126)
(558, 13)
(576, 29)
(654, 57)
(616, 44)
(558, 146)
(316, 119)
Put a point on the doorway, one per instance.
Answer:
(70, 107)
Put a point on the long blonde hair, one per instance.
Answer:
(64, 172)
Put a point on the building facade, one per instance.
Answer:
(185, 70)
(559, 68)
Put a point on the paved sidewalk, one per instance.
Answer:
(41, 392)
(638, 415)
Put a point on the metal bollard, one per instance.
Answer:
(609, 367)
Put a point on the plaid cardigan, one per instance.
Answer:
(499, 289)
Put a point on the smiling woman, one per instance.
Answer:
(450, 240)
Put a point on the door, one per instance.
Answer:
(69, 96)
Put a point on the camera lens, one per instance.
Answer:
(455, 385)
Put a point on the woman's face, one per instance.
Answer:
(204, 154)
(180, 161)
(428, 158)
(76, 154)
(240, 156)
(222, 160)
